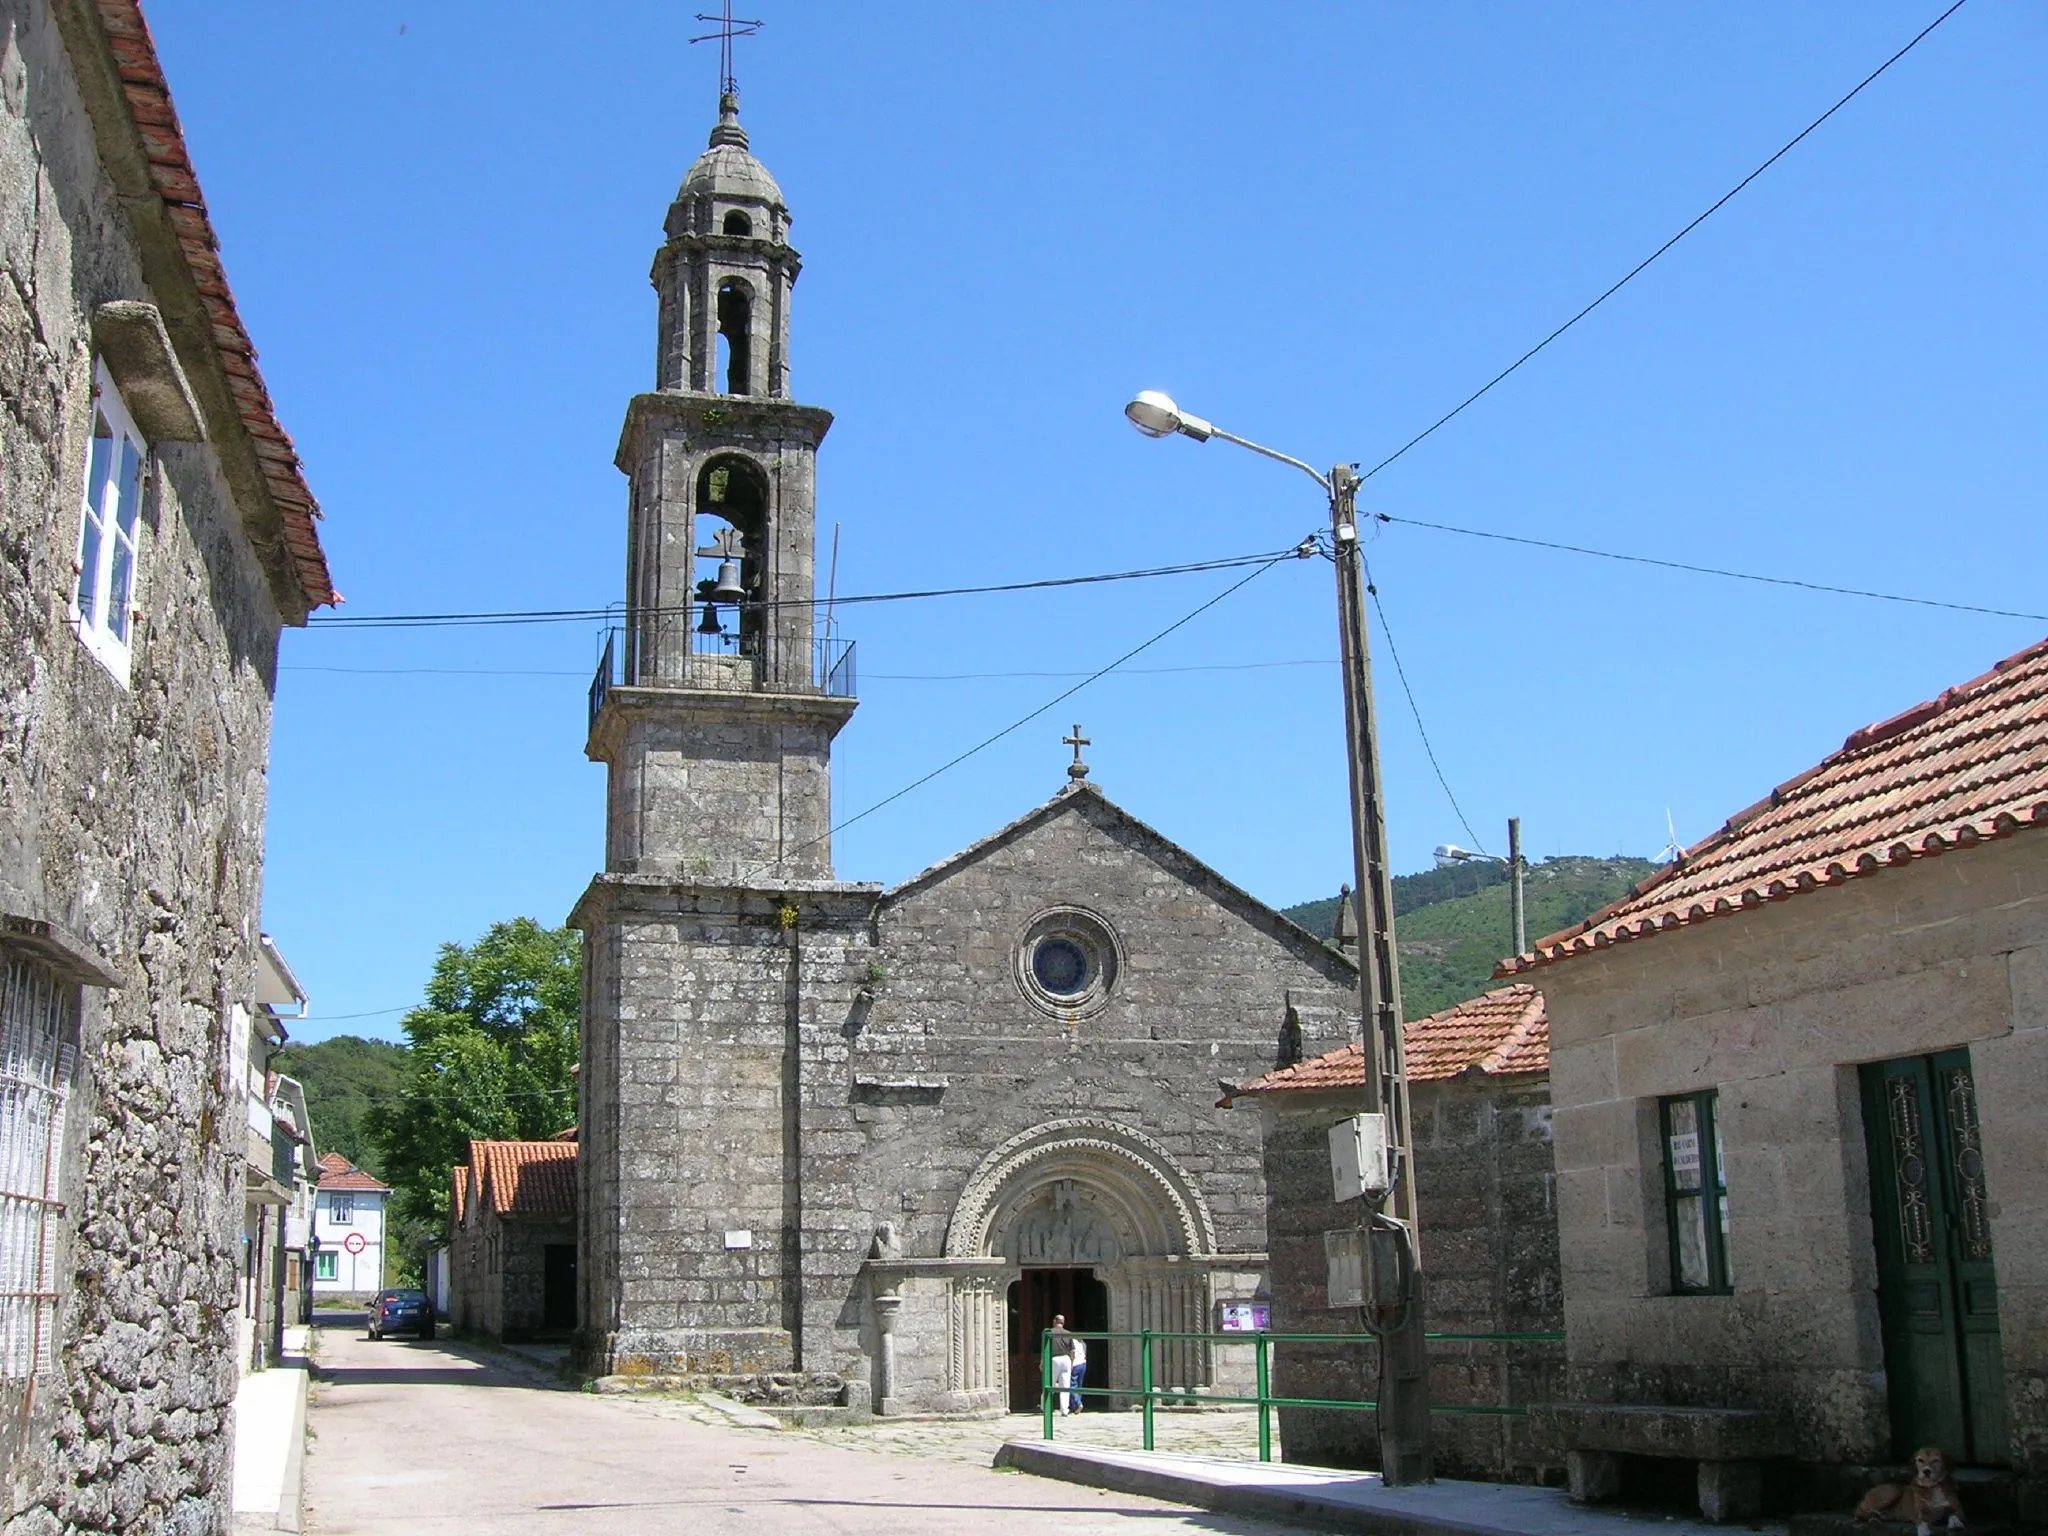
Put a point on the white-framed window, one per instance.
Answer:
(326, 1265)
(38, 1056)
(341, 1209)
(110, 518)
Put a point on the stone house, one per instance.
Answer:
(1479, 1089)
(350, 1208)
(1797, 1080)
(878, 1136)
(512, 1239)
(158, 533)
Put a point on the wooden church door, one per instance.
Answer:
(1035, 1297)
(1937, 1294)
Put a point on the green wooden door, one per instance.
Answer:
(1936, 1291)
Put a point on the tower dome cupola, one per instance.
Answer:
(727, 170)
(725, 273)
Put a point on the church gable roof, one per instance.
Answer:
(1084, 799)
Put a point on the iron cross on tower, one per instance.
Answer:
(729, 28)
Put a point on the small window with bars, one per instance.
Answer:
(38, 1057)
(1696, 1195)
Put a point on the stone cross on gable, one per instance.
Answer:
(1077, 770)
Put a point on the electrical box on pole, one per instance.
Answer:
(1360, 1164)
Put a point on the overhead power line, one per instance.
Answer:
(877, 677)
(1057, 699)
(1713, 570)
(587, 615)
(1414, 709)
(1635, 271)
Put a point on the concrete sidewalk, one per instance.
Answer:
(270, 1440)
(1350, 1501)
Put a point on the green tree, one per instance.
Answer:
(489, 1055)
(343, 1076)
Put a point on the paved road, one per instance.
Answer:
(432, 1438)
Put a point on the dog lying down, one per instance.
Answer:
(1927, 1501)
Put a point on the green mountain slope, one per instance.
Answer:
(343, 1076)
(1452, 924)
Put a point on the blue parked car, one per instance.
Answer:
(401, 1312)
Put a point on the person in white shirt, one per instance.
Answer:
(1063, 1346)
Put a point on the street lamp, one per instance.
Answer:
(1450, 853)
(1383, 1136)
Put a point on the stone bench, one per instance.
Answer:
(1730, 1444)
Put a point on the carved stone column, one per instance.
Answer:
(887, 1304)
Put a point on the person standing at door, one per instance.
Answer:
(1063, 1344)
(1078, 1375)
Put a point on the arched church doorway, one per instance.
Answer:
(1093, 1220)
(1036, 1297)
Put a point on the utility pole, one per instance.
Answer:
(1404, 1422)
(1517, 915)
(1372, 1154)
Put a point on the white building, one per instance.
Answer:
(271, 1155)
(348, 1230)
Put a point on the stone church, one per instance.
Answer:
(836, 1128)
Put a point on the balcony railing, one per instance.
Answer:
(714, 662)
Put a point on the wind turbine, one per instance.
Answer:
(1674, 851)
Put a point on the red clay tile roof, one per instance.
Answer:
(567, 1135)
(1506, 1032)
(170, 171)
(458, 1192)
(1950, 773)
(526, 1178)
(337, 1172)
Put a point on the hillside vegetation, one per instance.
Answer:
(1452, 923)
(343, 1077)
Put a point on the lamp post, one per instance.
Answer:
(1394, 1300)
(1518, 928)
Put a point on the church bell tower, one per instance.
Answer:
(715, 938)
(718, 733)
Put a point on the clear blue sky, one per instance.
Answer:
(1320, 225)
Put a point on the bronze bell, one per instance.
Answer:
(727, 588)
(708, 625)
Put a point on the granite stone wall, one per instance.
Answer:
(1485, 1188)
(1774, 1008)
(131, 814)
(514, 1302)
(953, 1058)
(808, 1064)
(696, 999)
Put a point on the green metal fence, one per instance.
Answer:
(1149, 1394)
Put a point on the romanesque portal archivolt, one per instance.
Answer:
(1118, 1177)
(1088, 1194)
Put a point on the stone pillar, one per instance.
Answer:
(1592, 1476)
(1731, 1490)
(887, 1304)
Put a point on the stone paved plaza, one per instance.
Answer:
(1232, 1433)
